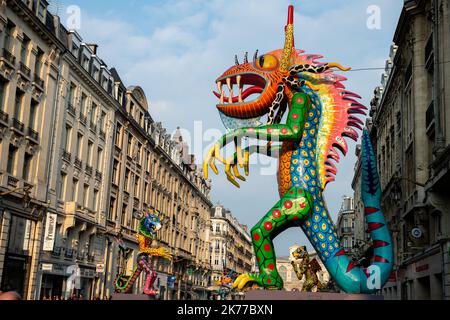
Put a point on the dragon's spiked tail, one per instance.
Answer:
(347, 276)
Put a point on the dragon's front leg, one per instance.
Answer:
(288, 212)
(292, 130)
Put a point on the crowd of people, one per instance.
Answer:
(11, 295)
(75, 297)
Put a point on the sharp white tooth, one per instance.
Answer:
(230, 98)
(219, 87)
(222, 97)
(240, 89)
(229, 83)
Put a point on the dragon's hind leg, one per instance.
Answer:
(288, 212)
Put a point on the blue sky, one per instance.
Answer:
(176, 49)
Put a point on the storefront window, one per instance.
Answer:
(17, 261)
(20, 236)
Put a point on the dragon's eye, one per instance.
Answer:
(266, 62)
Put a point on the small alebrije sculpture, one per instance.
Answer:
(306, 268)
(321, 112)
(149, 225)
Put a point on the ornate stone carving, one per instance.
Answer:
(23, 85)
(37, 94)
(6, 71)
(62, 88)
(4, 133)
(31, 148)
(17, 141)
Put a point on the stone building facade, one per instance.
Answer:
(80, 155)
(231, 246)
(346, 224)
(30, 61)
(409, 127)
(152, 169)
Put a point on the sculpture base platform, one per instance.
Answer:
(130, 297)
(292, 295)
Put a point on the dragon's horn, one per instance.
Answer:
(289, 41)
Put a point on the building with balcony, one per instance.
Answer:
(409, 128)
(346, 224)
(79, 173)
(80, 155)
(152, 169)
(30, 61)
(231, 247)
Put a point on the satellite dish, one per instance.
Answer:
(416, 233)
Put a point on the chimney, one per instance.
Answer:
(93, 47)
(56, 25)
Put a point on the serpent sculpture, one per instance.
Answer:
(149, 225)
(303, 267)
(320, 113)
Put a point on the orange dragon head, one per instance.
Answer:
(263, 77)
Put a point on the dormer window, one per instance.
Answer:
(75, 49)
(105, 83)
(95, 73)
(85, 62)
(41, 10)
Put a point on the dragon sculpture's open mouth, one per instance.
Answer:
(241, 86)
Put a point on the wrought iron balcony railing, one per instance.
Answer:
(83, 119)
(93, 126)
(38, 81)
(71, 108)
(78, 163)
(4, 116)
(33, 134)
(8, 56)
(89, 170)
(66, 156)
(18, 125)
(12, 182)
(24, 70)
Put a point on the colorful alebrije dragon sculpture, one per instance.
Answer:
(149, 225)
(321, 112)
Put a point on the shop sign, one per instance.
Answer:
(50, 229)
(100, 268)
(422, 268)
(27, 237)
(47, 267)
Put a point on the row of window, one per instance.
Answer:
(12, 164)
(69, 191)
(77, 149)
(97, 116)
(25, 50)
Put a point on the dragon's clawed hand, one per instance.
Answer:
(239, 159)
